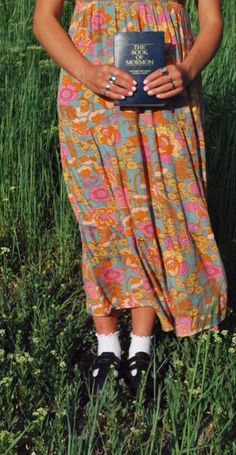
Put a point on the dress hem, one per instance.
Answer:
(176, 332)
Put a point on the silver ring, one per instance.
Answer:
(113, 78)
(108, 86)
(164, 71)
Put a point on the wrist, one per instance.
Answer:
(82, 68)
(189, 70)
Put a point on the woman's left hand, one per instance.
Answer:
(169, 83)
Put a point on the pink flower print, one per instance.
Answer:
(99, 193)
(120, 197)
(213, 271)
(193, 187)
(148, 119)
(91, 289)
(112, 274)
(198, 209)
(97, 21)
(180, 140)
(146, 228)
(183, 326)
(118, 137)
(147, 152)
(162, 18)
(184, 240)
(78, 7)
(165, 158)
(67, 94)
(147, 14)
(65, 154)
(184, 268)
(194, 227)
(169, 244)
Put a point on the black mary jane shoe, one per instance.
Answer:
(140, 362)
(103, 363)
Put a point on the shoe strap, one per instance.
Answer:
(106, 359)
(140, 360)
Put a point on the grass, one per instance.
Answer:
(47, 340)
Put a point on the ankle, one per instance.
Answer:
(139, 343)
(109, 342)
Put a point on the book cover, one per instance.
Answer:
(139, 53)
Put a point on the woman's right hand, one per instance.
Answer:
(96, 77)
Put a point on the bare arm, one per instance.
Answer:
(55, 40)
(57, 43)
(209, 38)
(202, 52)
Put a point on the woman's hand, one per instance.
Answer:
(162, 85)
(96, 78)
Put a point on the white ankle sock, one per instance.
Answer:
(139, 343)
(108, 343)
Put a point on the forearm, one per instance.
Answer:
(59, 46)
(204, 48)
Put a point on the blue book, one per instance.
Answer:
(139, 53)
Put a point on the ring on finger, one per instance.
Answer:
(172, 82)
(112, 78)
(108, 86)
(164, 71)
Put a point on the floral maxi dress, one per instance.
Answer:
(136, 179)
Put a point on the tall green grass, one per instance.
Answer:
(47, 340)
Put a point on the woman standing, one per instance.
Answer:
(136, 178)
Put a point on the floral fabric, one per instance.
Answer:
(136, 180)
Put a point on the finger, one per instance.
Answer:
(169, 94)
(112, 95)
(122, 91)
(157, 82)
(117, 92)
(122, 86)
(164, 88)
(123, 78)
(125, 85)
(156, 74)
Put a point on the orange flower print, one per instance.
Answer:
(105, 218)
(106, 134)
(171, 263)
(80, 127)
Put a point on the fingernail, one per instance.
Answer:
(134, 88)
(145, 81)
(130, 93)
(159, 96)
(145, 88)
(150, 92)
(122, 97)
(135, 82)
